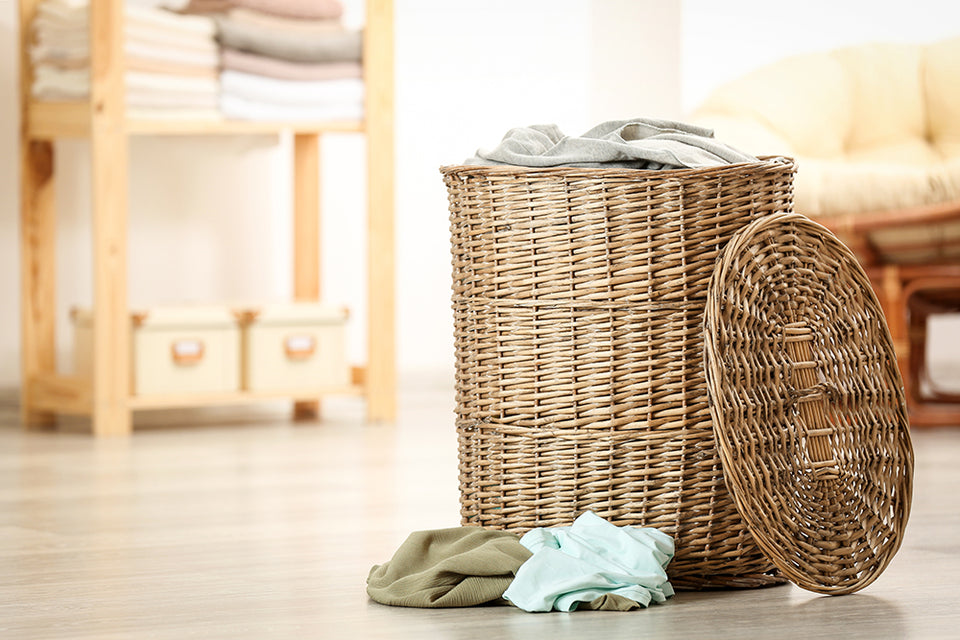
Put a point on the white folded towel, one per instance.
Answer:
(244, 109)
(292, 92)
(143, 80)
(54, 83)
(75, 14)
(52, 53)
(180, 113)
(170, 100)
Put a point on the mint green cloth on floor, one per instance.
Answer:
(592, 559)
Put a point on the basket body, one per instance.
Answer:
(578, 299)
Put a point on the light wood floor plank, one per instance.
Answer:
(248, 526)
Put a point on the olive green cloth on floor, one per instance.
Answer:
(459, 567)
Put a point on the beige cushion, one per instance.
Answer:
(829, 188)
(926, 243)
(804, 100)
(757, 137)
(942, 92)
(912, 152)
(885, 87)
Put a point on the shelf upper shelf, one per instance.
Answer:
(49, 120)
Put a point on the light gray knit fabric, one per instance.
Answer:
(642, 143)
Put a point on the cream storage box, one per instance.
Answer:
(296, 347)
(174, 350)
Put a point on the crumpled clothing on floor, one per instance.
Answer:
(459, 567)
(469, 566)
(589, 560)
(641, 143)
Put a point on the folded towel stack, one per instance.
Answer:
(171, 59)
(289, 60)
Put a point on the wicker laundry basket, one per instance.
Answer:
(579, 299)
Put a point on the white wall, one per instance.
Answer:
(634, 59)
(466, 73)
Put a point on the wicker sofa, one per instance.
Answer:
(876, 133)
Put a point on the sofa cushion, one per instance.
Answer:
(942, 90)
(886, 94)
(914, 152)
(918, 243)
(830, 188)
(803, 100)
(731, 129)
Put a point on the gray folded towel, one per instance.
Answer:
(642, 143)
(336, 46)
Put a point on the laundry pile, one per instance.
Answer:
(591, 564)
(171, 60)
(290, 60)
(640, 143)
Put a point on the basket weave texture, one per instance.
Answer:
(578, 299)
(808, 404)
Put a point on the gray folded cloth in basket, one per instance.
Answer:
(642, 143)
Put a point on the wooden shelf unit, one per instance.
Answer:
(106, 397)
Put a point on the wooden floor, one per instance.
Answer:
(238, 526)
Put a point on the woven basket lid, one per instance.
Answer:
(807, 404)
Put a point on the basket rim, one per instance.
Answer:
(764, 162)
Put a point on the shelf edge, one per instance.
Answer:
(186, 400)
(50, 120)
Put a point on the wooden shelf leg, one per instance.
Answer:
(111, 325)
(37, 274)
(306, 236)
(381, 384)
(37, 246)
(109, 166)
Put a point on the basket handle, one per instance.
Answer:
(812, 400)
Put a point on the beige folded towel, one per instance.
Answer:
(309, 9)
(290, 25)
(336, 46)
(246, 62)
